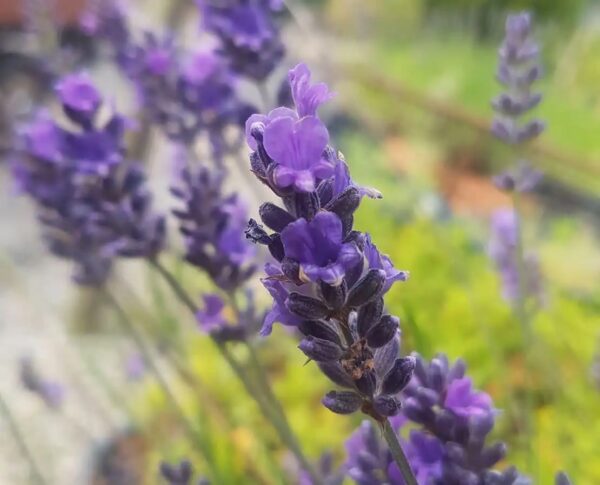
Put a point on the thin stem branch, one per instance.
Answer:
(398, 454)
(263, 394)
(144, 350)
(34, 471)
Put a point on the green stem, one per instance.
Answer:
(398, 454)
(144, 350)
(524, 318)
(34, 471)
(263, 394)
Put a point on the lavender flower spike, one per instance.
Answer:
(327, 279)
(448, 445)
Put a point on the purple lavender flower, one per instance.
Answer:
(249, 38)
(328, 280)
(317, 246)
(211, 316)
(448, 445)
(213, 225)
(51, 392)
(93, 204)
(503, 251)
(518, 69)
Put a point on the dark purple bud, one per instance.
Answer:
(304, 205)
(492, 455)
(319, 329)
(342, 402)
(458, 370)
(179, 474)
(562, 479)
(456, 453)
(413, 410)
(367, 289)
(320, 350)
(255, 233)
(530, 130)
(274, 217)
(436, 374)
(502, 131)
(325, 191)
(481, 425)
(257, 165)
(420, 369)
(428, 397)
(399, 375)
(386, 405)
(334, 296)
(346, 203)
(335, 372)
(367, 383)
(368, 315)
(291, 269)
(276, 247)
(306, 307)
(511, 106)
(383, 331)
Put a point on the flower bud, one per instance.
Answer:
(306, 307)
(319, 329)
(336, 373)
(255, 233)
(346, 203)
(493, 454)
(320, 350)
(368, 315)
(367, 383)
(334, 296)
(367, 289)
(274, 217)
(342, 402)
(382, 332)
(386, 405)
(399, 375)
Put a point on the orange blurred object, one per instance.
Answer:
(67, 11)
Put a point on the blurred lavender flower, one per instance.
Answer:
(212, 224)
(180, 474)
(562, 479)
(328, 280)
(518, 69)
(327, 473)
(51, 392)
(449, 444)
(92, 202)
(503, 251)
(248, 35)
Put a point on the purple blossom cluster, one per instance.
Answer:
(184, 93)
(328, 280)
(518, 70)
(447, 423)
(91, 201)
(247, 32)
(503, 251)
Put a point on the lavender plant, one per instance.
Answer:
(518, 70)
(328, 280)
(448, 425)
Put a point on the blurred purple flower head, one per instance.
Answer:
(212, 224)
(79, 96)
(425, 454)
(522, 178)
(464, 402)
(518, 69)
(92, 203)
(211, 316)
(248, 35)
(503, 248)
